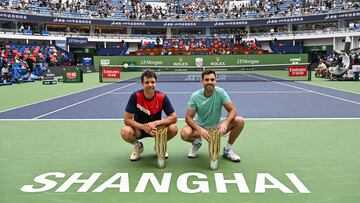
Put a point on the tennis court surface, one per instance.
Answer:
(300, 144)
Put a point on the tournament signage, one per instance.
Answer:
(212, 61)
(109, 74)
(186, 183)
(72, 76)
(296, 71)
(346, 15)
(76, 41)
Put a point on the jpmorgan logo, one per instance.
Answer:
(150, 62)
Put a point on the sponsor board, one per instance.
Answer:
(105, 62)
(71, 75)
(297, 71)
(113, 73)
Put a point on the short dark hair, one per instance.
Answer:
(149, 74)
(207, 72)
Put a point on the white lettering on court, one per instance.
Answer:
(48, 184)
(261, 185)
(123, 185)
(87, 183)
(203, 186)
(146, 177)
(239, 181)
(185, 183)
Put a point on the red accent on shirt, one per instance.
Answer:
(154, 105)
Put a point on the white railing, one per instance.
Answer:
(265, 36)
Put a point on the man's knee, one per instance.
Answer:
(240, 121)
(237, 123)
(186, 133)
(173, 129)
(126, 132)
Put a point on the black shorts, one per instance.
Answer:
(143, 134)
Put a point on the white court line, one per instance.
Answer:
(180, 119)
(231, 92)
(315, 92)
(329, 87)
(91, 98)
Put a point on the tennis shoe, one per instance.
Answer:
(230, 155)
(196, 144)
(136, 152)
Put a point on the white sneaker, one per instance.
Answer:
(196, 144)
(135, 154)
(230, 154)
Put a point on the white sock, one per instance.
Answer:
(228, 146)
(137, 144)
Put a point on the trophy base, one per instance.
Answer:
(214, 164)
(161, 162)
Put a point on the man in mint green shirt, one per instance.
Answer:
(207, 104)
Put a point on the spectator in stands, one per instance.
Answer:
(163, 52)
(21, 29)
(30, 65)
(46, 60)
(6, 73)
(182, 10)
(157, 41)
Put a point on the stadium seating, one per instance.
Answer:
(286, 48)
(182, 10)
(116, 50)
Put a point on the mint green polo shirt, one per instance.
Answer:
(208, 109)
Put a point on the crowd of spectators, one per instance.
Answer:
(189, 44)
(178, 10)
(18, 62)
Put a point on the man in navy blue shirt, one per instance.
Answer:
(143, 114)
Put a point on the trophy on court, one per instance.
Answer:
(214, 147)
(161, 146)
